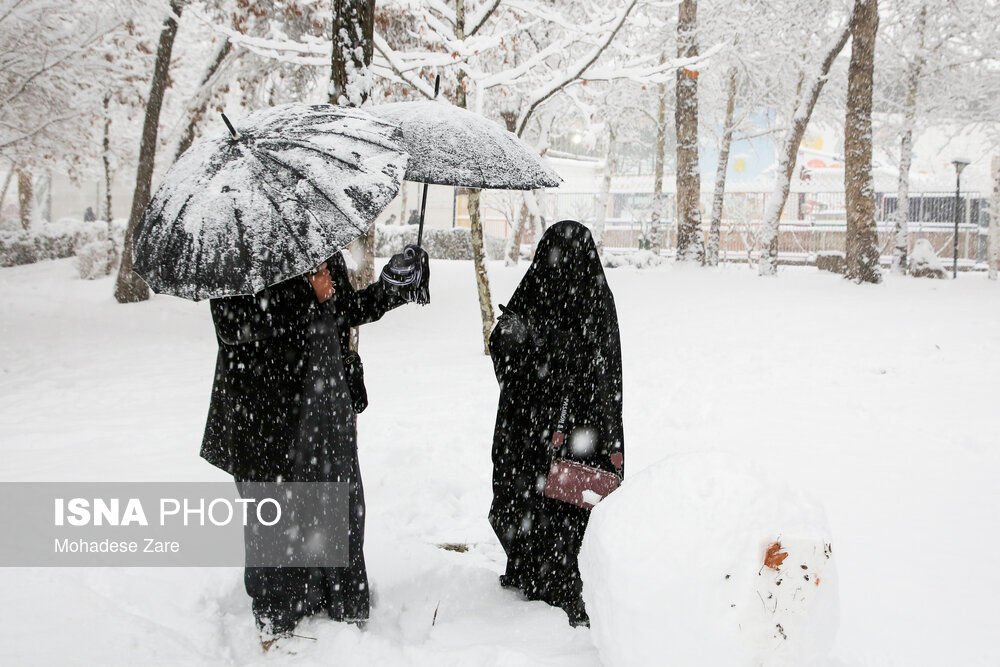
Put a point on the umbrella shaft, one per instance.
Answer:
(423, 207)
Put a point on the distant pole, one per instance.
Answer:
(960, 164)
(958, 216)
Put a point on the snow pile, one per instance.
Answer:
(924, 262)
(642, 259)
(700, 560)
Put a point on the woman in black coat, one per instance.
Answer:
(281, 410)
(558, 336)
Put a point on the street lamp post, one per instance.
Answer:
(960, 164)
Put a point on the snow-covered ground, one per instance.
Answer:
(880, 401)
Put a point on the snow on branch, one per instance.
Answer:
(659, 73)
(575, 71)
(400, 68)
(480, 20)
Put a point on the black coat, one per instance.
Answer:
(266, 343)
(281, 409)
(558, 335)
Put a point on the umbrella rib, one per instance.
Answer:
(307, 147)
(281, 216)
(377, 139)
(302, 177)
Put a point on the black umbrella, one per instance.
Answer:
(267, 200)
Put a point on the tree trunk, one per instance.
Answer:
(475, 221)
(657, 228)
(901, 218)
(993, 239)
(197, 113)
(534, 199)
(788, 154)
(350, 85)
(602, 201)
(862, 236)
(479, 263)
(512, 249)
(512, 246)
(719, 195)
(403, 213)
(47, 194)
(113, 257)
(6, 184)
(106, 159)
(690, 246)
(353, 44)
(129, 288)
(25, 197)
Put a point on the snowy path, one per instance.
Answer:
(880, 400)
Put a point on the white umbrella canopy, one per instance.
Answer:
(453, 146)
(237, 213)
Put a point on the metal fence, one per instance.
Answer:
(813, 222)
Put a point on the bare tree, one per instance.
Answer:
(656, 226)
(902, 215)
(605, 194)
(862, 236)
(475, 219)
(129, 287)
(809, 89)
(690, 246)
(719, 194)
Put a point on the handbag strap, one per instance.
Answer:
(559, 435)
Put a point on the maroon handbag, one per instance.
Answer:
(576, 483)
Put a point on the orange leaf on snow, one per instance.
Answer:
(774, 556)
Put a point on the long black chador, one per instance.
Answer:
(557, 336)
(281, 409)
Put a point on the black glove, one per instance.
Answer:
(511, 324)
(407, 275)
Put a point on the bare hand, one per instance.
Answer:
(322, 282)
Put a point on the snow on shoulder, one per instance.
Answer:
(702, 560)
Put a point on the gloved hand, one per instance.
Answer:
(408, 274)
(512, 325)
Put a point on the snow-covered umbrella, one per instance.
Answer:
(449, 145)
(269, 199)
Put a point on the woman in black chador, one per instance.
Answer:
(283, 407)
(557, 337)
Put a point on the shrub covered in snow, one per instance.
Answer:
(100, 257)
(50, 240)
(700, 560)
(96, 259)
(643, 259)
(924, 262)
(454, 243)
(831, 260)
